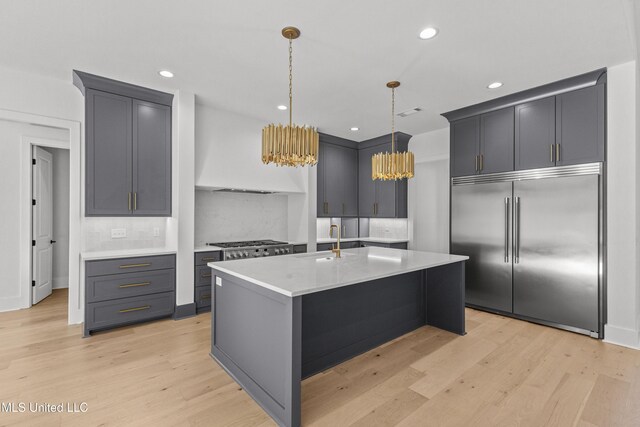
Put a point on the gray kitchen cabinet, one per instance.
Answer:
(125, 291)
(465, 146)
(299, 249)
(535, 134)
(400, 245)
(128, 148)
(109, 154)
(580, 126)
(381, 199)
(202, 279)
(496, 141)
(337, 179)
(151, 159)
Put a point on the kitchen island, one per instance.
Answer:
(278, 320)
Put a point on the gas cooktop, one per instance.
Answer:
(248, 243)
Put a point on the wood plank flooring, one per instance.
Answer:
(504, 372)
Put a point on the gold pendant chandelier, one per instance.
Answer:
(394, 165)
(290, 145)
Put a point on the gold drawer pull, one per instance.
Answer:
(127, 310)
(146, 264)
(210, 258)
(134, 285)
(205, 276)
(207, 296)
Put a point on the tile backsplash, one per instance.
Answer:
(389, 228)
(140, 233)
(222, 217)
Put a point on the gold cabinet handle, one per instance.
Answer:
(205, 276)
(209, 258)
(128, 310)
(129, 200)
(207, 296)
(146, 264)
(557, 152)
(135, 285)
(481, 162)
(477, 162)
(551, 152)
(135, 201)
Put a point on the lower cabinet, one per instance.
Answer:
(124, 291)
(358, 244)
(299, 249)
(401, 245)
(202, 279)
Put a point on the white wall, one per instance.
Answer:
(228, 154)
(222, 217)
(622, 197)
(11, 144)
(60, 217)
(428, 192)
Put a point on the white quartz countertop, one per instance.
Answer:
(207, 248)
(300, 274)
(124, 253)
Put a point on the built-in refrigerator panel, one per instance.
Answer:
(556, 249)
(481, 229)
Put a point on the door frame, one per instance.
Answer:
(75, 305)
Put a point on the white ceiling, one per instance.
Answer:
(232, 56)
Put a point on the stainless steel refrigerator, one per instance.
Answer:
(535, 242)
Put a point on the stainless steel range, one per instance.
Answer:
(252, 249)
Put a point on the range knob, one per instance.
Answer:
(286, 250)
(277, 251)
(232, 255)
(246, 253)
(265, 253)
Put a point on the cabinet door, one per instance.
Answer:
(151, 159)
(580, 130)
(535, 134)
(109, 154)
(350, 183)
(465, 146)
(496, 141)
(366, 186)
(386, 197)
(322, 206)
(333, 179)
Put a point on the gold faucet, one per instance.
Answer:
(336, 249)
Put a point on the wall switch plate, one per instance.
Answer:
(219, 281)
(118, 233)
(156, 231)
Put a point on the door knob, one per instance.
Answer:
(53, 241)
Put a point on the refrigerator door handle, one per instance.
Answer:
(516, 230)
(506, 229)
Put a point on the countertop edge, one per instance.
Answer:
(125, 253)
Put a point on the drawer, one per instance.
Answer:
(129, 265)
(103, 288)
(402, 245)
(203, 276)
(202, 258)
(203, 296)
(349, 245)
(106, 314)
(324, 247)
(300, 249)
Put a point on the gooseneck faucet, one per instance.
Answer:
(336, 249)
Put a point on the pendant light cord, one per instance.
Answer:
(393, 119)
(290, 81)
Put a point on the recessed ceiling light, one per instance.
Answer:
(282, 107)
(428, 33)
(354, 129)
(494, 85)
(166, 73)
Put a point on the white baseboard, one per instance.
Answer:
(60, 282)
(622, 336)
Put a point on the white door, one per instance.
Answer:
(42, 226)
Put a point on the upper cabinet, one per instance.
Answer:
(580, 126)
(562, 123)
(337, 178)
(482, 144)
(128, 148)
(381, 199)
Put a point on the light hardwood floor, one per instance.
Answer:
(503, 372)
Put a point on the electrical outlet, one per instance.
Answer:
(118, 233)
(156, 231)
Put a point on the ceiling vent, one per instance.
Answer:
(410, 112)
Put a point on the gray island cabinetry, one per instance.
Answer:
(278, 320)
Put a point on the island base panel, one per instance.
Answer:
(445, 289)
(256, 337)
